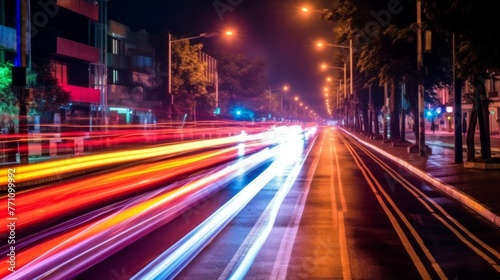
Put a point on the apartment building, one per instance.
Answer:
(136, 77)
(63, 33)
(446, 118)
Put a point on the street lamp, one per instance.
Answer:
(325, 66)
(170, 41)
(420, 63)
(307, 10)
(320, 44)
(284, 88)
(297, 100)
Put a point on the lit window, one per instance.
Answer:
(115, 76)
(115, 46)
(60, 72)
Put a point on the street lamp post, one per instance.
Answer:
(324, 66)
(284, 88)
(420, 63)
(307, 10)
(457, 96)
(296, 105)
(350, 61)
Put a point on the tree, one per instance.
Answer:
(8, 104)
(240, 79)
(475, 27)
(8, 107)
(47, 96)
(384, 47)
(189, 84)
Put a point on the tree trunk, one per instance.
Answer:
(347, 110)
(470, 134)
(375, 122)
(411, 93)
(403, 127)
(366, 120)
(394, 107)
(370, 118)
(483, 115)
(403, 112)
(370, 111)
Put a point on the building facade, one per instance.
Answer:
(445, 118)
(136, 78)
(63, 34)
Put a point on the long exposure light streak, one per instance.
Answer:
(172, 261)
(66, 255)
(38, 205)
(254, 241)
(44, 204)
(40, 170)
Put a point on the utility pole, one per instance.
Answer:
(420, 63)
(19, 80)
(384, 113)
(457, 94)
(170, 76)
(351, 73)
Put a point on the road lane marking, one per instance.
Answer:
(425, 201)
(282, 261)
(339, 182)
(169, 263)
(333, 195)
(344, 253)
(440, 185)
(242, 260)
(404, 239)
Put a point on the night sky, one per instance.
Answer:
(275, 31)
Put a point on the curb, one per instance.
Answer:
(448, 189)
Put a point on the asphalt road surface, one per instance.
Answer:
(327, 208)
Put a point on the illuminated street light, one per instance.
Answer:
(321, 44)
(306, 10)
(325, 66)
(284, 88)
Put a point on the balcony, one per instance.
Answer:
(117, 30)
(77, 50)
(83, 94)
(81, 7)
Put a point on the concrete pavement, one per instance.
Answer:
(476, 188)
(446, 139)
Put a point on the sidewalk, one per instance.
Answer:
(476, 188)
(447, 139)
